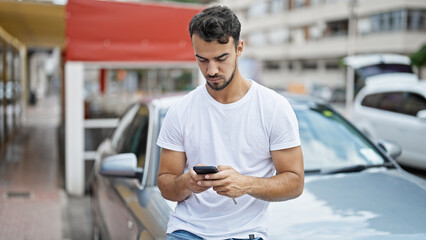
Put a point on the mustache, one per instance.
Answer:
(214, 76)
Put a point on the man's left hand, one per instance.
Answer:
(227, 182)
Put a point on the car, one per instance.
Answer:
(395, 111)
(353, 187)
(371, 67)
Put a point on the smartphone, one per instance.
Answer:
(205, 169)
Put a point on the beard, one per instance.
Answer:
(217, 87)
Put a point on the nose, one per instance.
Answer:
(212, 69)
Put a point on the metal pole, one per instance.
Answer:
(350, 88)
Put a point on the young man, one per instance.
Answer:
(247, 131)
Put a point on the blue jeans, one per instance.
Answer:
(185, 235)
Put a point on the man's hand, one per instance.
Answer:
(227, 182)
(193, 179)
(174, 184)
(286, 184)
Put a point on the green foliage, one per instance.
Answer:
(418, 58)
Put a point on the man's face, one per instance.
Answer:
(217, 62)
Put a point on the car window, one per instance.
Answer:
(372, 70)
(124, 123)
(389, 101)
(413, 103)
(399, 102)
(135, 136)
(329, 141)
(372, 100)
(392, 102)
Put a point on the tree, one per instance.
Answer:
(418, 59)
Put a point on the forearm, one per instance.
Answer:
(280, 187)
(173, 188)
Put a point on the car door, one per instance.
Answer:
(378, 115)
(392, 116)
(114, 194)
(413, 136)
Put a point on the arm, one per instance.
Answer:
(172, 182)
(287, 184)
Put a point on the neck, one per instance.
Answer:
(236, 90)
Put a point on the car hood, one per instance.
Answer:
(374, 204)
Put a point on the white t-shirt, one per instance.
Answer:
(240, 135)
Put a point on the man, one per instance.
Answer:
(248, 131)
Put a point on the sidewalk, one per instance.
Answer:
(33, 204)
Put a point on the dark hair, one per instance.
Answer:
(216, 23)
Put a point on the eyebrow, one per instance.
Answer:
(220, 56)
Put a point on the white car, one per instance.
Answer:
(395, 111)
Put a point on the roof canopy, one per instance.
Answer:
(118, 31)
(34, 24)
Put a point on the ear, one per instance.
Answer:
(240, 48)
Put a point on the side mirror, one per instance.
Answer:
(392, 148)
(421, 114)
(121, 165)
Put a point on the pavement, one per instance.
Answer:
(33, 202)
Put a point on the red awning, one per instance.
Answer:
(118, 31)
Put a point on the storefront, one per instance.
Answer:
(12, 86)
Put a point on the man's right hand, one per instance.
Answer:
(193, 181)
(174, 184)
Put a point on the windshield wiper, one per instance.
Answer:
(357, 168)
(313, 171)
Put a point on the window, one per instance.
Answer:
(384, 101)
(399, 102)
(272, 65)
(391, 101)
(372, 70)
(125, 121)
(397, 20)
(331, 65)
(372, 100)
(133, 138)
(309, 65)
(324, 133)
(413, 103)
(388, 21)
(412, 19)
(337, 28)
(416, 20)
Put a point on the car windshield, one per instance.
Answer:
(369, 71)
(330, 142)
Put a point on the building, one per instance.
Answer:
(301, 42)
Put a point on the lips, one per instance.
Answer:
(214, 79)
